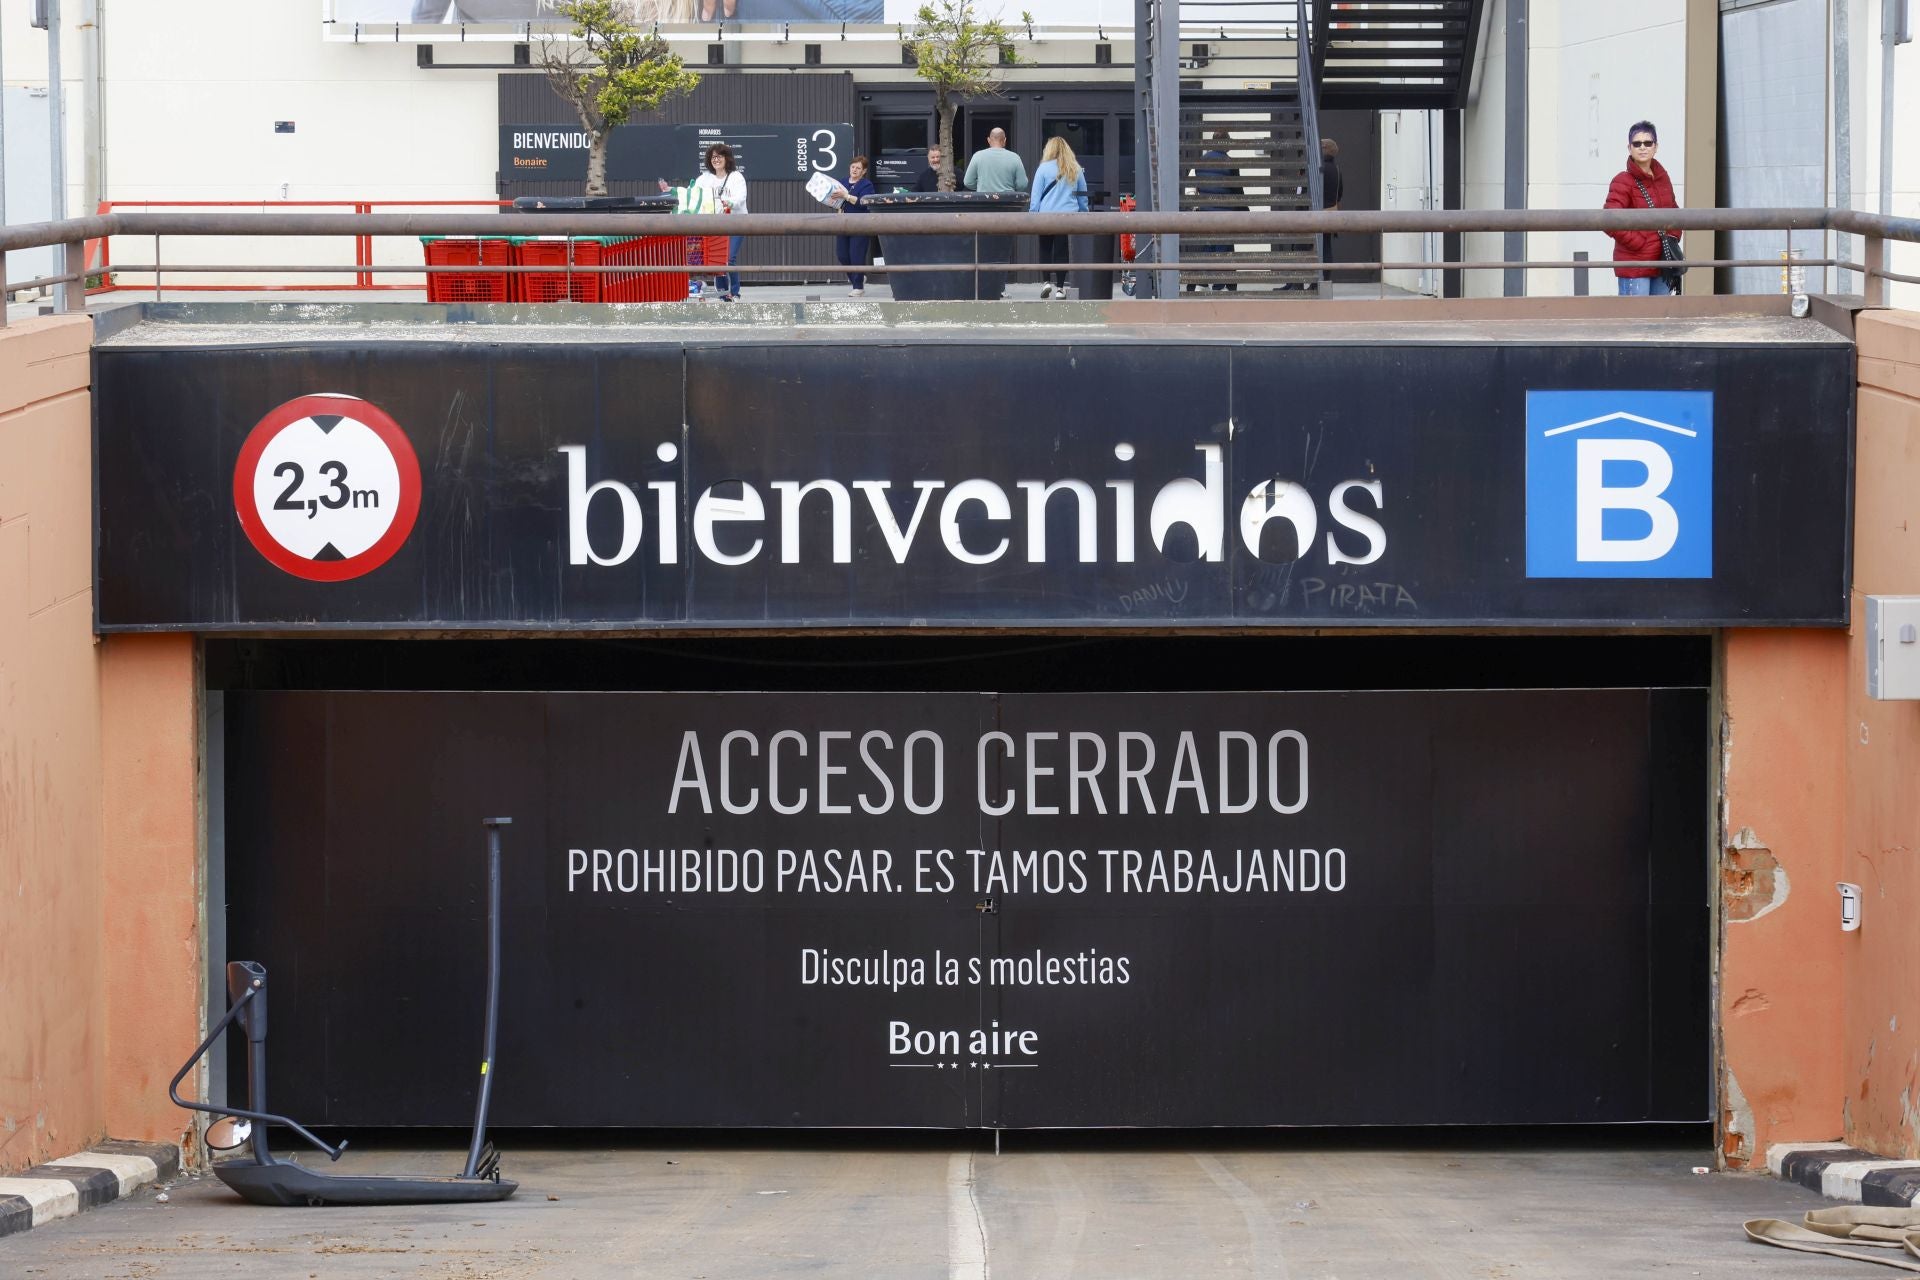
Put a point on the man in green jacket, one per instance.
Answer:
(996, 168)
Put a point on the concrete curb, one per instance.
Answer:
(61, 1188)
(1840, 1172)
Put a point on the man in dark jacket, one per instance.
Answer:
(1643, 184)
(1215, 166)
(1330, 184)
(929, 179)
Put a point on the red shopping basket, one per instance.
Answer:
(465, 286)
(556, 286)
(645, 286)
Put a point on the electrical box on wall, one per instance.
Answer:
(1893, 647)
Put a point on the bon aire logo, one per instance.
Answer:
(972, 520)
(327, 487)
(1619, 484)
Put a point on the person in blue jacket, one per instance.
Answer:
(852, 250)
(1059, 186)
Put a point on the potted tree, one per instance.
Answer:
(962, 56)
(609, 72)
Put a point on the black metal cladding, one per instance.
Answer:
(1440, 431)
(1494, 907)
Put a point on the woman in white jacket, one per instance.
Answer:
(729, 187)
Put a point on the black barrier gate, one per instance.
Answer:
(973, 909)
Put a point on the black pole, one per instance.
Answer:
(1514, 283)
(249, 981)
(1453, 196)
(493, 826)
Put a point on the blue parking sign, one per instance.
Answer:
(1619, 484)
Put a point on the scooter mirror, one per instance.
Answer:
(228, 1132)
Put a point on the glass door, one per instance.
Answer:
(970, 132)
(1087, 135)
(897, 145)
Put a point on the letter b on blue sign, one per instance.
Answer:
(1619, 484)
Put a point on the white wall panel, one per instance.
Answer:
(1598, 68)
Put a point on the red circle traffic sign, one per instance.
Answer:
(344, 485)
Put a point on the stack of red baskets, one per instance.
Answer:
(564, 284)
(556, 286)
(645, 286)
(465, 286)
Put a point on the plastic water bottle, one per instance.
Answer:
(693, 290)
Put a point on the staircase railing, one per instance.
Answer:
(1314, 30)
(1303, 47)
(1309, 80)
(1157, 167)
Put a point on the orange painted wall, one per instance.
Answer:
(51, 965)
(1882, 827)
(152, 877)
(1820, 1029)
(1780, 978)
(100, 936)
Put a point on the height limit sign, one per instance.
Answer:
(327, 487)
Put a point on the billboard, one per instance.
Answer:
(676, 152)
(966, 909)
(454, 12)
(862, 478)
(1114, 16)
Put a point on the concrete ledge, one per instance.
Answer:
(1840, 1172)
(61, 1188)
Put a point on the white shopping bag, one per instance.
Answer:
(827, 189)
(694, 200)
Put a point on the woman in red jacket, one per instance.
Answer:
(1642, 184)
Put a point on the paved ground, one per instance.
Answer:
(1301, 1208)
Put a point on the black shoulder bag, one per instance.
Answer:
(1669, 247)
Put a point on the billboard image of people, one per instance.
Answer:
(446, 12)
(1111, 15)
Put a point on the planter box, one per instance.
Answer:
(963, 282)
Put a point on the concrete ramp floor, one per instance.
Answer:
(1046, 1208)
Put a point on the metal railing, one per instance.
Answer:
(73, 234)
(102, 264)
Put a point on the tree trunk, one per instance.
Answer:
(597, 163)
(949, 181)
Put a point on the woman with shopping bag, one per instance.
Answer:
(720, 188)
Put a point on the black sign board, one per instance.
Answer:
(677, 152)
(1044, 482)
(899, 170)
(972, 909)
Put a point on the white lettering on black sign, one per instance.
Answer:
(974, 520)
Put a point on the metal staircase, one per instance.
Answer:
(1212, 146)
(1248, 150)
(1395, 55)
(1232, 131)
